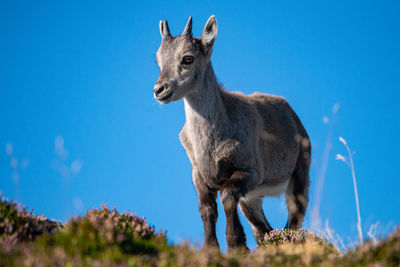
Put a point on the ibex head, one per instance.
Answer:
(183, 60)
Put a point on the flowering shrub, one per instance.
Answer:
(104, 229)
(285, 236)
(104, 237)
(17, 224)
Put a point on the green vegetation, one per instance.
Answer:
(17, 224)
(104, 237)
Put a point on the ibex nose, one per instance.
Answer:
(158, 89)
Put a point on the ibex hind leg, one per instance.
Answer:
(297, 192)
(252, 210)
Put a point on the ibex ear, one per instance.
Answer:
(209, 34)
(164, 29)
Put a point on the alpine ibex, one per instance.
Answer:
(245, 146)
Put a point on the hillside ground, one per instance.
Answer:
(105, 237)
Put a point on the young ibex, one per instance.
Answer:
(246, 147)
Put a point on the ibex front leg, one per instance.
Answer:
(241, 182)
(208, 210)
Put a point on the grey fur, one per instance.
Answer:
(245, 146)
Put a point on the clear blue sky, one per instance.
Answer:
(83, 73)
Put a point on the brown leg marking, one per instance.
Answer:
(208, 211)
(238, 185)
(297, 192)
(252, 209)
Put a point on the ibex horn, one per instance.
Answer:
(188, 27)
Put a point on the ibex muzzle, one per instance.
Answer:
(245, 146)
(161, 89)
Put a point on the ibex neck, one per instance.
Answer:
(206, 102)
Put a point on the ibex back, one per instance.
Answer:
(245, 146)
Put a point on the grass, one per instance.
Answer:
(105, 237)
(349, 161)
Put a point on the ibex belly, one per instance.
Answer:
(278, 163)
(268, 190)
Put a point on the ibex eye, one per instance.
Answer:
(187, 60)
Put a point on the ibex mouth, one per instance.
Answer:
(165, 97)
